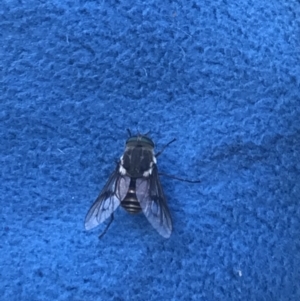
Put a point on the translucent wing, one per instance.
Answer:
(153, 203)
(108, 200)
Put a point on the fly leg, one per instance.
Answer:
(107, 226)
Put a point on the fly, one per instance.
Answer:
(135, 185)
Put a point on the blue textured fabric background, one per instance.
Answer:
(222, 77)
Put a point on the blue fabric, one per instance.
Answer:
(221, 76)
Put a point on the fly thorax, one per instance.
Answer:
(137, 162)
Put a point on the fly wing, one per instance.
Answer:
(108, 200)
(151, 197)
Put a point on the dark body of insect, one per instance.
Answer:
(134, 185)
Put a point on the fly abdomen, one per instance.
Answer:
(131, 205)
(130, 202)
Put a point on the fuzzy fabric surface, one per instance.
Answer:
(222, 77)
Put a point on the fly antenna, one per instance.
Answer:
(129, 132)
